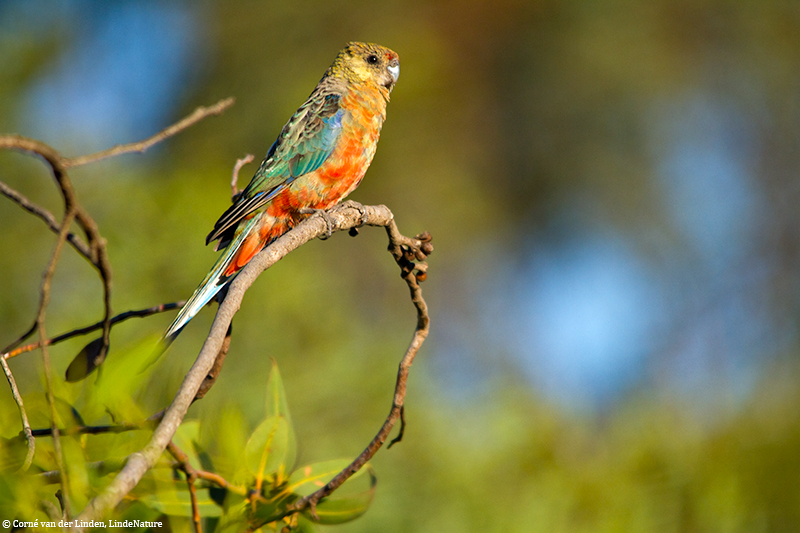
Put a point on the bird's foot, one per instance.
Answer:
(324, 215)
(363, 216)
(362, 211)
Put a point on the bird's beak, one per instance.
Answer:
(394, 70)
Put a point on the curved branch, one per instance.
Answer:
(402, 249)
(26, 426)
(235, 174)
(72, 211)
(341, 217)
(95, 251)
(46, 216)
(197, 115)
(97, 325)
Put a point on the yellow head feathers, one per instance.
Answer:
(366, 63)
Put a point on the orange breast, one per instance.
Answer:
(337, 177)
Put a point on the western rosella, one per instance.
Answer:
(319, 158)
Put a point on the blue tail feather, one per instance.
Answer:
(214, 281)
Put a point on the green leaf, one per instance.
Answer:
(12, 454)
(304, 526)
(272, 448)
(336, 510)
(277, 405)
(177, 502)
(75, 464)
(22, 495)
(350, 501)
(230, 523)
(268, 447)
(108, 466)
(68, 416)
(276, 396)
(310, 478)
(120, 380)
(270, 511)
(87, 360)
(186, 438)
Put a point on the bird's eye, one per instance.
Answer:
(372, 59)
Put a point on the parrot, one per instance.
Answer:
(319, 157)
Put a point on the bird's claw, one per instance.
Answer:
(363, 217)
(325, 216)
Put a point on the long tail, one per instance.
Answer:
(214, 281)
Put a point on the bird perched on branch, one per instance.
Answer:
(319, 158)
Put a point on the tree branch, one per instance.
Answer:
(197, 115)
(97, 325)
(216, 368)
(235, 175)
(48, 371)
(95, 430)
(47, 217)
(94, 251)
(26, 426)
(72, 211)
(401, 248)
(342, 217)
(191, 475)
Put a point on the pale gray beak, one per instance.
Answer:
(394, 70)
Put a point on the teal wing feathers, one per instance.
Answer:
(210, 286)
(304, 144)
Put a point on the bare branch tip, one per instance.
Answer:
(235, 178)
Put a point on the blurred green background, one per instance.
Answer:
(612, 188)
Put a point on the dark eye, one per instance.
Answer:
(372, 59)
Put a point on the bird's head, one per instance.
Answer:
(367, 63)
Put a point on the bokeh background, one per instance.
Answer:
(613, 192)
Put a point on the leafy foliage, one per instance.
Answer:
(273, 481)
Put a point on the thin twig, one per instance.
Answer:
(191, 475)
(48, 371)
(46, 216)
(24, 144)
(95, 430)
(213, 374)
(94, 251)
(98, 468)
(212, 479)
(94, 327)
(401, 431)
(104, 267)
(195, 507)
(30, 331)
(197, 115)
(26, 426)
(97, 245)
(235, 177)
(400, 247)
(99, 258)
(223, 483)
(341, 217)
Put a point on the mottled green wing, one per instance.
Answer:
(304, 144)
